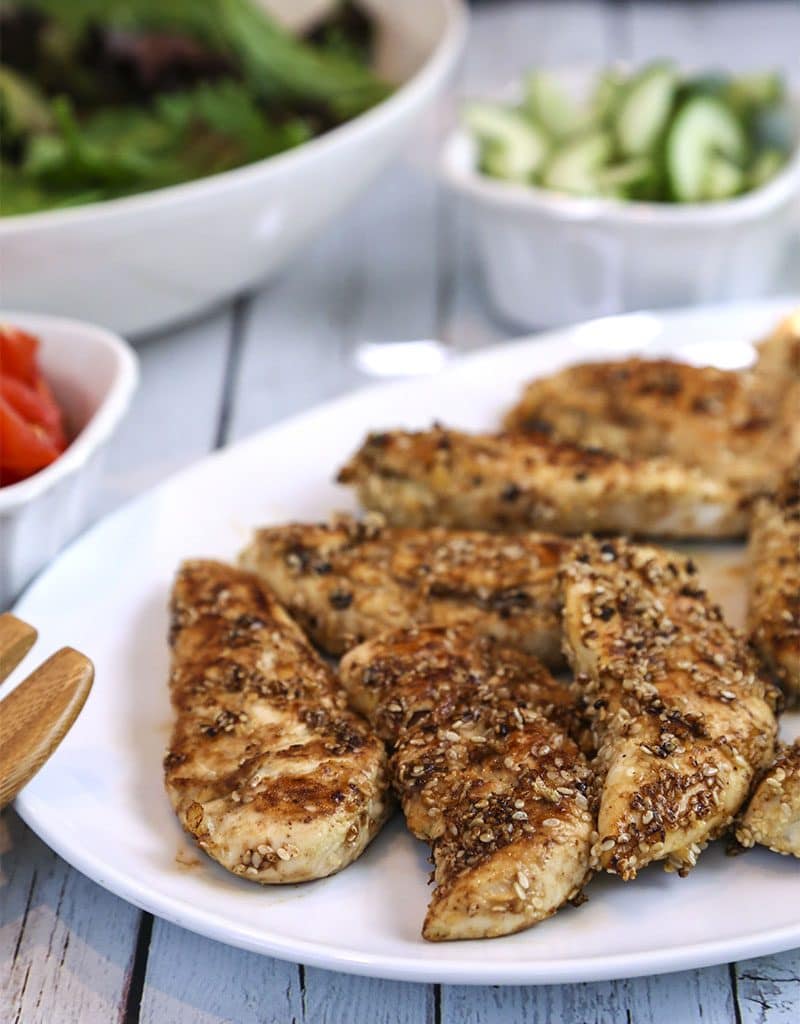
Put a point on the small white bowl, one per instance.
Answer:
(139, 263)
(93, 374)
(552, 259)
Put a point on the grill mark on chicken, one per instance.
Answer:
(393, 578)
(484, 772)
(515, 482)
(682, 720)
(772, 817)
(774, 597)
(267, 768)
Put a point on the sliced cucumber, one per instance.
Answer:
(765, 166)
(626, 180)
(550, 106)
(723, 178)
(703, 129)
(575, 166)
(606, 95)
(645, 109)
(511, 147)
(749, 92)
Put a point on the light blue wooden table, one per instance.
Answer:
(399, 265)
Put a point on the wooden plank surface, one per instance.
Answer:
(67, 947)
(399, 265)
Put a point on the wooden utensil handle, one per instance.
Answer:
(16, 639)
(36, 716)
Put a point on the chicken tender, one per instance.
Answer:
(730, 424)
(514, 482)
(772, 817)
(267, 768)
(484, 773)
(683, 722)
(774, 598)
(349, 580)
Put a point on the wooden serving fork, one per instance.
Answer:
(36, 716)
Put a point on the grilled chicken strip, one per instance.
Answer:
(350, 580)
(772, 817)
(484, 773)
(266, 768)
(732, 425)
(515, 482)
(774, 599)
(682, 720)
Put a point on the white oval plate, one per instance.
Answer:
(100, 802)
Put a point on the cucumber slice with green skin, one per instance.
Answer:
(765, 166)
(606, 95)
(749, 92)
(575, 166)
(511, 147)
(705, 127)
(723, 179)
(550, 107)
(645, 109)
(626, 180)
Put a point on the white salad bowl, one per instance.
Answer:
(551, 258)
(139, 263)
(93, 374)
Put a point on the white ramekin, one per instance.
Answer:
(93, 374)
(552, 259)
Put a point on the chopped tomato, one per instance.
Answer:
(18, 354)
(25, 446)
(36, 405)
(31, 426)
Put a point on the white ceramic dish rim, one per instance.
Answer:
(412, 968)
(455, 27)
(457, 166)
(103, 421)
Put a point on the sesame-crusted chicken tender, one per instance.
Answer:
(772, 817)
(682, 720)
(731, 424)
(349, 580)
(267, 768)
(774, 594)
(485, 773)
(517, 482)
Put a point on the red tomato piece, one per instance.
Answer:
(24, 447)
(54, 420)
(18, 354)
(35, 405)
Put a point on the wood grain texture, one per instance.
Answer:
(338, 998)
(174, 415)
(66, 946)
(667, 999)
(37, 715)
(768, 989)
(16, 639)
(192, 980)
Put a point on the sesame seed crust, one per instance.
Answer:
(729, 423)
(507, 482)
(774, 595)
(485, 773)
(395, 578)
(267, 768)
(682, 720)
(772, 817)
